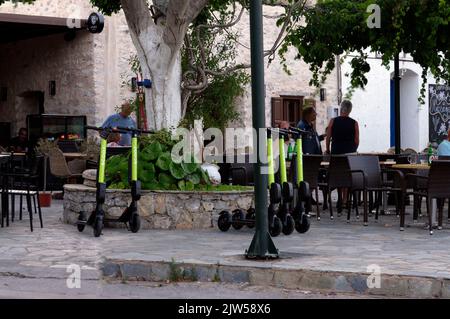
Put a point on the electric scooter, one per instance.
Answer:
(130, 216)
(303, 200)
(238, 218)
(284, 211)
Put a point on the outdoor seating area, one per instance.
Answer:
(370, 184)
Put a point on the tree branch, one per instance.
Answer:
(137, 14)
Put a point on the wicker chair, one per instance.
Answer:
(59, 167)
(438, 187)
(339, 176)
(311, 170)
(367, 176)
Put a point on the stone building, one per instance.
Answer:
(88, 70)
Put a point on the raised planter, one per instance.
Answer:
(158, 210)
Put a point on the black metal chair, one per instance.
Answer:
(23, 181)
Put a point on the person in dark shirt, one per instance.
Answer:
(311, 142)
(343, 135)
(343, 132)
(20, 143)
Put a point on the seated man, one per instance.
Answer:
(20, 144)
(122, 119)
(444, 147)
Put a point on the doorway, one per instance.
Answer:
(409, 110)
(28, 102)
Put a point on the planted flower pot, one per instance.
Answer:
(45, 199)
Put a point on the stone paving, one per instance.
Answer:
(329, 246)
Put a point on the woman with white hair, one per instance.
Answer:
(343, 132)
(343, 135)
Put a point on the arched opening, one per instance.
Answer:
(409, 109)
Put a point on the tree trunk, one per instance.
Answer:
(158, 46)
(163, 100)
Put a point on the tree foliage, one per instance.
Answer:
(336, 27)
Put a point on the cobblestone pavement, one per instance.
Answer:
(328, 246)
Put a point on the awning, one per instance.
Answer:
(16, 27)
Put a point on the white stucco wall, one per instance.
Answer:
(371, 107)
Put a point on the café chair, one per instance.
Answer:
(437, 187)
(368, 177)
(59, 167)
(23, 181)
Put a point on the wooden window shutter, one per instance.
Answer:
(277, 111)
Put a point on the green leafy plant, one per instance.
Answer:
(156, 169)
(44, 146)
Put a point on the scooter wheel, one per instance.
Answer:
(304, 190)
(82, 223)
(135, 223)
(98, 227)
(275, 193)
(251, 218)
(224, 221)
(288, 191)
(237, 218)
(303, 225)
(289, 226)
(277, 227)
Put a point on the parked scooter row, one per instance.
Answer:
(289, 203)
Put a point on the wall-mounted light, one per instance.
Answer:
(323, 94)
(3, 94)
(52, 88)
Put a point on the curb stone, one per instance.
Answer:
(340, 282)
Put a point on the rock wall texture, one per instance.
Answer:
(158, 210)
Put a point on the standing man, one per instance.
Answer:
(311, 142)
(122, 119)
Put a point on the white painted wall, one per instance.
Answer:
(371, 107)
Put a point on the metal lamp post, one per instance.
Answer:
(262, 246)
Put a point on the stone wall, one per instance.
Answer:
(28, 66)
(109, 53)
(158, 210)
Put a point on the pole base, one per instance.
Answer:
(262, 248)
